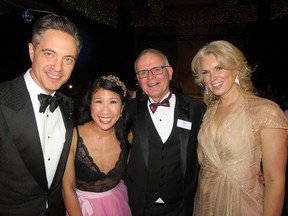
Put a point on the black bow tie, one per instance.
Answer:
(165, 102)
(46, 100)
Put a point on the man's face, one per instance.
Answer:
(53, 59)
(155, 86)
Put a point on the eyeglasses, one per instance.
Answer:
(155, 71)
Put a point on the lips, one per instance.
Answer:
(217, 84)
(153, 84)
(53, 76)
(105, 119)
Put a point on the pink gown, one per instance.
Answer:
(101, 194)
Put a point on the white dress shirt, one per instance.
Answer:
(163, 118)
(51, 129)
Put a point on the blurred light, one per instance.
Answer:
(27, 16)
(70, 86)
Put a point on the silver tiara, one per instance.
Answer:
(117, 81)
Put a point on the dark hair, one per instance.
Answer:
(111, 83)
(55, 22)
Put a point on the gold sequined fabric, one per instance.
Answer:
(230, 157)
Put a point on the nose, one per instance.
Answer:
(58, 64)
(105, 108)
(213, 75)
(150, 74)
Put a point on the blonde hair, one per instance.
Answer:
(230, 58)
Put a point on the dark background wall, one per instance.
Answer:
(110, 50)
(105, 49)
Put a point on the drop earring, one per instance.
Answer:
(237, 80)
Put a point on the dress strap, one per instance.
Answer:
(78, 136)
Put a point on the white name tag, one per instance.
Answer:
(184, 124)
(159, 200)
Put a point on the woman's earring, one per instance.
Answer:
(237, 80)
(206, 90)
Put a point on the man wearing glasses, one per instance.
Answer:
(163, 167)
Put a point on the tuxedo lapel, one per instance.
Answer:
(20, 120)
(182, 113)
(142, 124)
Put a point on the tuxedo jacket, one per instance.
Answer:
(23, 183)
(186, 109)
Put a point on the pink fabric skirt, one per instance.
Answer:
(109, 203)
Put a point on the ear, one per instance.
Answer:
(31, 51)
(122, 108)
(170, 72)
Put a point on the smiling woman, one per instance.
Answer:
(98, 154)
(228, 183)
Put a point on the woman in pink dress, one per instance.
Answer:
(240, 133)
(92, 182)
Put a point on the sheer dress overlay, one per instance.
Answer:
(88, 175)
(230, 157)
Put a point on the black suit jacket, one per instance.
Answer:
(187, 109)
(23, 183)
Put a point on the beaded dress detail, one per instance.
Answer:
(230, 156)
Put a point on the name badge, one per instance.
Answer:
(184, 124)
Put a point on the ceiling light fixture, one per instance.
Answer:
(27, 14)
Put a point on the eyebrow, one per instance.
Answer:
(50, 50)
(100, 97)
(43, 50)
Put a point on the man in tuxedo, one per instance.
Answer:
(35, 140)
(163, 166)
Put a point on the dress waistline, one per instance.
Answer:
(94, 195)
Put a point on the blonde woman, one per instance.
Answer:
(239, 133)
